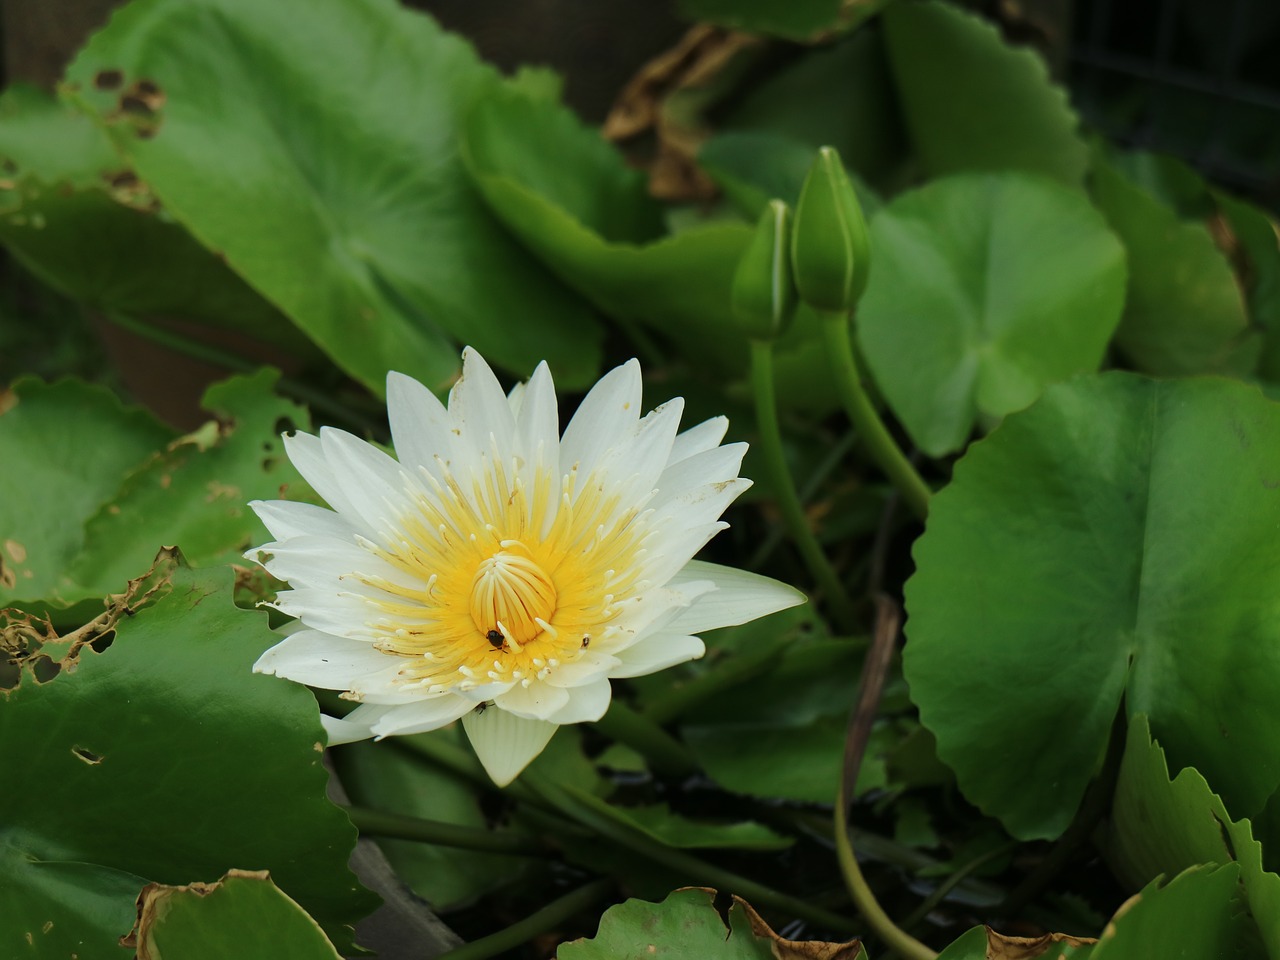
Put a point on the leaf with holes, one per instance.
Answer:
(1113, 543)
(178, 762)
(67, 447)
(79, 219)
(195, 492)
(331, 182)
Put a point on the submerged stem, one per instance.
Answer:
(400, 827)
(697, 871)
(665, 754)
(784, 487)
(879, 442)
(548, 918)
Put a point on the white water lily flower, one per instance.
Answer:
(498, 572)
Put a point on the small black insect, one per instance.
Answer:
(586, 640)
(496, 639)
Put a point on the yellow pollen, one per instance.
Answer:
(510, 592)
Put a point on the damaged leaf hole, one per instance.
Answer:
(44, 668)
(108, 79)
(88, 756)
(142, 99)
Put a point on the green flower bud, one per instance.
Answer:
(830, 254)
(763, 295)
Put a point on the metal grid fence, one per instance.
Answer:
(1199, 79)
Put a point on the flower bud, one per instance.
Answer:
(763, 295)
(830, 254)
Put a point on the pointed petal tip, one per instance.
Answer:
(504, 743)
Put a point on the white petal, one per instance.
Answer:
(376, 486)
(321, 660)
(287, 518)
(652, 612)
(537, 438)
(347, 614)
(719, 465)
(307, 454)
(739, 597)
(703, 436)
(421, 428)
(479, 408)
(534, 702)
(587, 703)
(586, 669)
(635, 462)
(336, 564)
(658, 651)
(422, 715)
(341, 730)
(608, 412)
(505, 743)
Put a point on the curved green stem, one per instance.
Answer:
(784, 487)
(880, 444)
(665, 754)
(895, 938)
(380, 824)
(548, 918)
(697, 871)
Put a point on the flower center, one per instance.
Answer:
(512, 594)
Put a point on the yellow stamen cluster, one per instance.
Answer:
(517, 581)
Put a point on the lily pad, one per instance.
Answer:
(686, 924)
(331, 182)
(81, 220)
(1161, 825)
(972, 102)
(1111, 544)
(178, 761)
(242, 915)
(1185, 312)
(65, 447)
(973, 307)
(195, 492)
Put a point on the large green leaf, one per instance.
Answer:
(195, 492)
(1160, 825)
(166, 758)
(686, 924)
(1185, 311)
(80, 220)
(1196, 916)
(331, 181)
(973, 306)
(243, 915)
(840, 95)
(1113, 542)
(65, 449)
(972, 102)
(569, 198)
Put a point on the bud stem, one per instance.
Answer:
(784, 487)
(871, 429)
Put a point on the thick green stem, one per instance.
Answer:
(879, 442)
(696, 870)
(380, 824)
(548, 918)
(784, 489)
(894, 938)
(666, 755)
